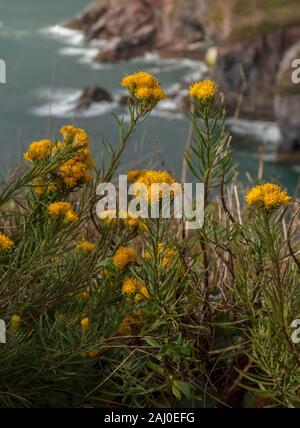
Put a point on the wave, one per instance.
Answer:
(87, 55)
(76, 45)
(267, 132)
(165, 65)
(72, 37)
(61, 103)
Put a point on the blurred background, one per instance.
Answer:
(65, 60)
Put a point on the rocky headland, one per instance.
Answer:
(256, 40)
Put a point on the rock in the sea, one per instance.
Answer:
(287, 101)
(92, 94)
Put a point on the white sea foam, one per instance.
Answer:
(61, 103)
(167, 104)
(87, 55)
(267, 132)
(72, 37)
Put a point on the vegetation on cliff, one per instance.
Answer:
(141, 312)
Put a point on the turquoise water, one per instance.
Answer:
(46, 67)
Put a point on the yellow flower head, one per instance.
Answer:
(40, 188)
(81, 137)
(167, 254)
(74, 172)
(133, 175)
(38, 150)
(124, 256)
(85, 323)
(58, 208)
(269, 196)
(143, 291)
(204, 90)
(71, 216)
(62, 209)
(78, 135)
(132, 285)
(149, 178)
(150, 94)
(5, 242)
(83, 295)
(144, 86)
(133, 223)
(15, 321)
(139, 80)
(68, 131)
(86, 246)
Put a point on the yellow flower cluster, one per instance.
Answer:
(83, 295)
(144, 86)
(40, 188)
(38, 150)
(76, 170)
(203, 91)
(5, 242)
(268, 196)
(124, 256)
(62, 209)
(134, 286)
(73, 172)
(133, 175)
(86, 246)
(74, 135)
(150, 177)
(15, 321)
(85, 323)
(167, 254)
(112, 217)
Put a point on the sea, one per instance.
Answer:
(47, 67)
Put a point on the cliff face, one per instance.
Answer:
(249, 68)
(261, 31)
(132, 27)
(252, 37)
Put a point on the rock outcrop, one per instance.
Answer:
(135, 26)
(247, 71)
(252, 37)
(90, 95)
(287, 99)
